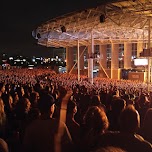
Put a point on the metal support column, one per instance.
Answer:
(90, 60)
(149, 59)
(78, 62)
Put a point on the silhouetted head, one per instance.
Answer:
(45, 103)
(96, 119)
(129, 120)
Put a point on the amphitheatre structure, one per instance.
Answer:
(118, 31)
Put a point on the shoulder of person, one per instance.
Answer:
(3, 145)
(142, 140)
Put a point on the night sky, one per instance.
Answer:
(19, 17)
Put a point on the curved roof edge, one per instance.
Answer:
(113, 22)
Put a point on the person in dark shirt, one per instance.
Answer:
(127, 138)
(46, 133)
(72, 124)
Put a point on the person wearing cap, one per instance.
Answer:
(44, 134)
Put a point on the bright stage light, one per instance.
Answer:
(140, 62)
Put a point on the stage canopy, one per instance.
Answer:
(116, 22)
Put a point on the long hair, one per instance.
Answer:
(2, 112)
(96, 119)
(129, 119)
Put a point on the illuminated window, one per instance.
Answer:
(109, 56)
(134, 53)
(121, 55)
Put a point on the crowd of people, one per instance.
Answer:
(42, 111)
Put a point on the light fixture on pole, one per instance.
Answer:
(102, 18)
(63, 29)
